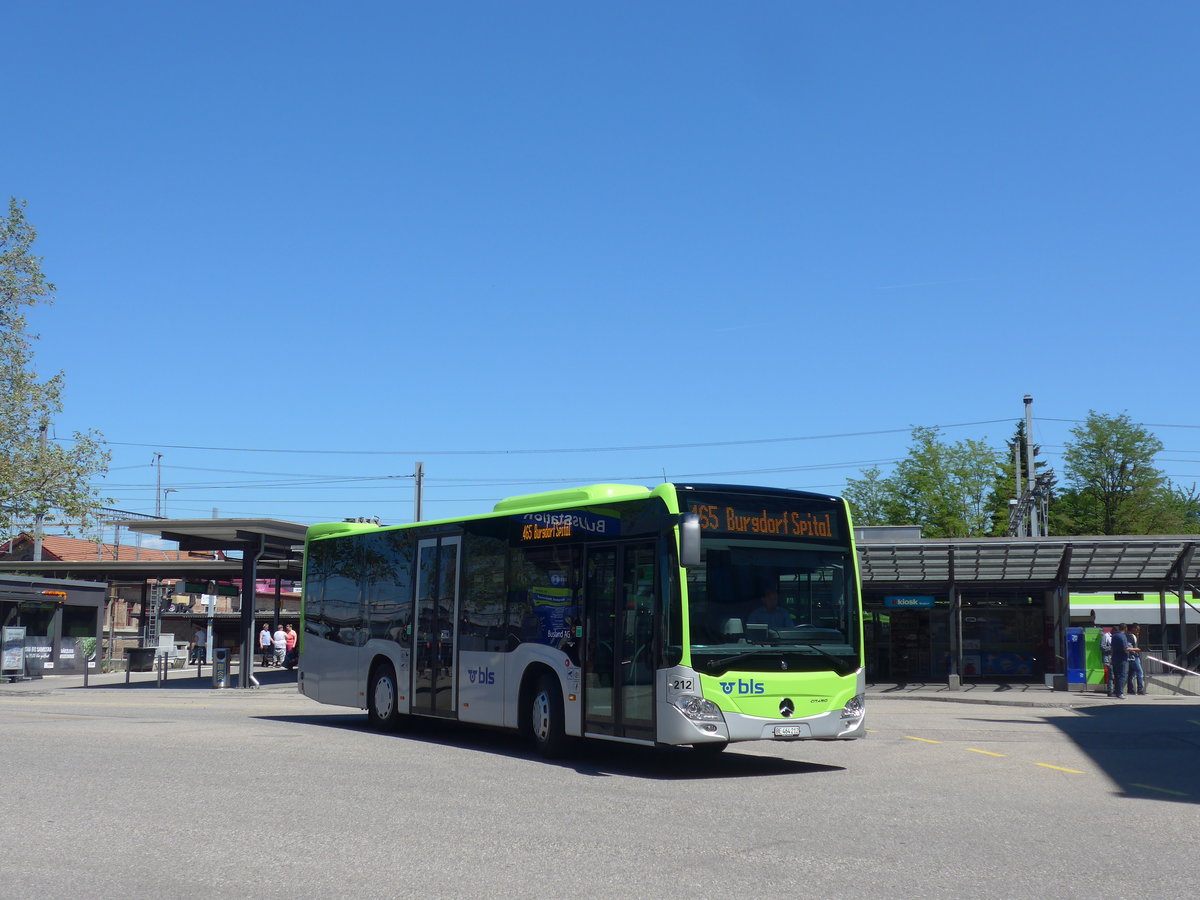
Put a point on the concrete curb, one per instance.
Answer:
(1048, 701)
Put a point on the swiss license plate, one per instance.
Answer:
(787, 731)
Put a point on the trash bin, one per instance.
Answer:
(1076, 660)
(220, 667)
(141, 659)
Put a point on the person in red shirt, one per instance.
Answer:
(289, 659)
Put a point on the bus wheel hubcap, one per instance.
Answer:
(541, 716)
(383, 698)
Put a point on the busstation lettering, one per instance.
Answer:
(550, 525)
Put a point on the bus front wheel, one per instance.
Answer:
(382, 698)
(546, 718)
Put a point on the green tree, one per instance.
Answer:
(38, 477)
(942, 487)
(869, 498)
(1113, 485)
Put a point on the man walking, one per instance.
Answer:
(278, 646)
(199, 651)
(1120, 660)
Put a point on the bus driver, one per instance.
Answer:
(769, 613)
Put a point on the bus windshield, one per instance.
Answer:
(769, 605)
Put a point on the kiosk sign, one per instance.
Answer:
(907, 602)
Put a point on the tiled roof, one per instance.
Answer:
(66, 549)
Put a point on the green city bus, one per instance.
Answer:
(686, 614)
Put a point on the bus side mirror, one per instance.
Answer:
(689, 540)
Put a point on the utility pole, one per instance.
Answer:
(419, 477)
(39, 525)
(158, 486)
(1020, 489)
(151, 627)
(1034, 530)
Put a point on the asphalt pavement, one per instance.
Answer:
(184, 789)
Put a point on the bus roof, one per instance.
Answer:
(563, 499)
(548, 500)
(593, 493)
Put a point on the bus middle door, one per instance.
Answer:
(619, 663)
(436, 627)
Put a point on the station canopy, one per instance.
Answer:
(278, 546)
(1080, 563)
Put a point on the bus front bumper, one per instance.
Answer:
(834, 725)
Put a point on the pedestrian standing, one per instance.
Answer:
(289, 659)
(1106, 659)
(1135, 682)
(278, 646)
(1120, 660)
(264, 644)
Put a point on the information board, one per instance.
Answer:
(13, 654)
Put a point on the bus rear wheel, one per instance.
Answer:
(546, 719)
(383, 698)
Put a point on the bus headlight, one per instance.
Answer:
(854, 708)
(698, 709)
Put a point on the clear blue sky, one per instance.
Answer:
(537, 228)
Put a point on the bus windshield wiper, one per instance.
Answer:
(723, 663)
(838, 662)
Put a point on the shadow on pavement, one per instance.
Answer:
(1149, 751)
(599, 759)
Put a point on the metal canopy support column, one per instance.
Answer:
(145, 617)
(1162, 619)
(1062, 617)
(1181, 567)
(954, 679)
(252, 550)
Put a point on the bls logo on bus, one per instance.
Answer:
(743, 687)
(481, 676)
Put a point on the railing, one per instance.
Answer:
(1153, 665)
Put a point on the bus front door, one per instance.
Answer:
(436, 626)
(618, 690)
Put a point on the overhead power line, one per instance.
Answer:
(481, 452)
(1083, 421)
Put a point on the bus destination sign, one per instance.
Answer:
(761, 521)
(566, 524)
(532, 531)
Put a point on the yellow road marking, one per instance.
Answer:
(1150, 787)
(1059, 768)
(984, 752)
(925, 740)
